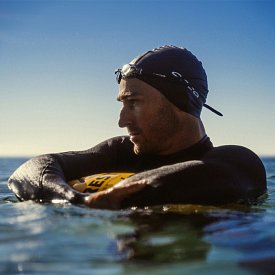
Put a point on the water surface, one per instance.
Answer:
(68, 239)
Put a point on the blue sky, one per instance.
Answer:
(57, 62)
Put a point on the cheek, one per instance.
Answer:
(150, 124)
(141, 115)
(161, 122)
(147, 118)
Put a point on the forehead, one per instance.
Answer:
(133, 87)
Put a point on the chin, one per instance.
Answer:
(140, 149)
(143, 149)
(137, 150)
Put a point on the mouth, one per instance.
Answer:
(134, 135)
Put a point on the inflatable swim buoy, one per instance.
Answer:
(98, 182)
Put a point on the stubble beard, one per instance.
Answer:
(161, 129)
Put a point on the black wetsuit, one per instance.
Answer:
(201, 174)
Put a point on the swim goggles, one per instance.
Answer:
(132, 71)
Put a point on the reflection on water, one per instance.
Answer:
(165, 237)
(62, 239)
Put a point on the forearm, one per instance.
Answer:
(45, 178)
(189, 182)
(42, 179)
(183, 183)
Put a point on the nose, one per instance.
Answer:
(124, 118)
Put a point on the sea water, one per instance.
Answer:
(68, 239)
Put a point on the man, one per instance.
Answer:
(162, 93)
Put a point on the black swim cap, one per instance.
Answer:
(176, 73)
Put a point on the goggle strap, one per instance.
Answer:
(212, 109)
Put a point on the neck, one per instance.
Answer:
(190, 131)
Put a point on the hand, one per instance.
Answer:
(112, 197)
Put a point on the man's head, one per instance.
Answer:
(174, 72)
(162, 92)
(151, 120)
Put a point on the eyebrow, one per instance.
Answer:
(127, 95)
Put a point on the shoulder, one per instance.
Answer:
(232, 153)
(243, 163)
(118, 140)
(116, 149)
(114, 143)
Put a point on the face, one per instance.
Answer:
(149, 117)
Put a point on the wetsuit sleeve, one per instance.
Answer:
(45, 177)
(42, 179)
(226, 174)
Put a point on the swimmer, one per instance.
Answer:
(162, 93)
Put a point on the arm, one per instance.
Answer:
(44, 178)
(226, 174)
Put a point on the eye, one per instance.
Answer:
(131, 103)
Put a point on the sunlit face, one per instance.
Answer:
(149, 117)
